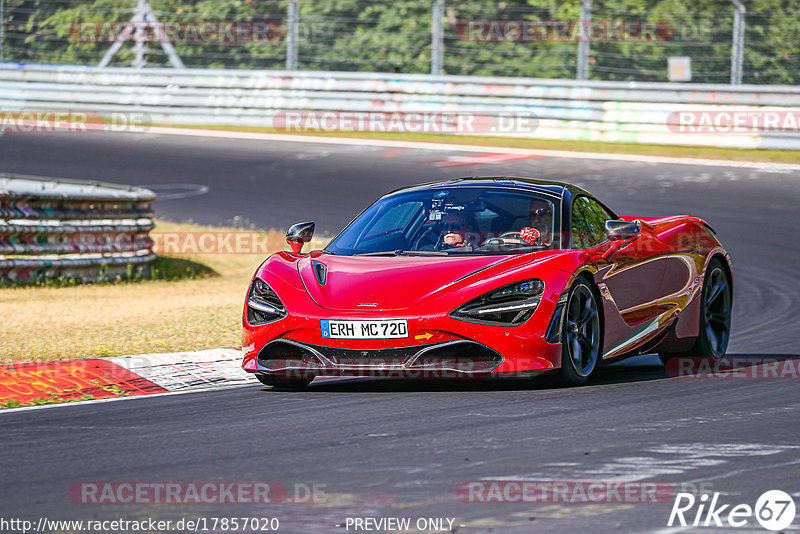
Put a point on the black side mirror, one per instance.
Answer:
(618, 230)
(299, 234)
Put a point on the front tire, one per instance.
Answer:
(283, 383)
(581, 337)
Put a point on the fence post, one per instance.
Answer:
(2, 26)
(138, 46)
(291, 36)
(437, 37)
(583, 42)
(737, 48)
(143, 13)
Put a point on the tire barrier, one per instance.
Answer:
(85, 230)
(121, 99)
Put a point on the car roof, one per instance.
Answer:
(550, 187)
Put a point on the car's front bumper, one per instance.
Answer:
(448, 359)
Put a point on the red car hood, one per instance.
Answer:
(397, 282)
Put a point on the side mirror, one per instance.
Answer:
(300, 234)
(618, 230)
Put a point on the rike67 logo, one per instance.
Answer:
(774, 510)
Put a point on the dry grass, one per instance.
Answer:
(728, 154)
(111, 319)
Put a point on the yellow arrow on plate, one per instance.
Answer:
(425, 336)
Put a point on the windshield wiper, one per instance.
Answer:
(380, 253)
(326, 251)
(422, 253)
(404, 253)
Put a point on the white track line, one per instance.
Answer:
(197, 389)
(126, 397)
(470, 148)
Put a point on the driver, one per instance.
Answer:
(540, 223)
(454, 236)
(455, 232)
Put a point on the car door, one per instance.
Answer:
(628, 277)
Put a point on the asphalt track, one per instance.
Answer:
(400, 449)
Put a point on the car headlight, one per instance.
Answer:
(263, 305)
(512, 304)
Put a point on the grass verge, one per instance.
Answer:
(727, 154)
(194, 303)
(38, 401)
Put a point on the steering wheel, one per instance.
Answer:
(501, 239)
(511, 235)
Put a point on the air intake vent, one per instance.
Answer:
(320, 271)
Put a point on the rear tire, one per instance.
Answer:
(715, 317)
(283, 383)
(581, 335)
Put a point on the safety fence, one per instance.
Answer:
(721, 41)
(652, 113)
(91, 231)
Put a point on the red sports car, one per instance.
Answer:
(487, 276)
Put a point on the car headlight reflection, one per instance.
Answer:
(510, 305)
(263, 305)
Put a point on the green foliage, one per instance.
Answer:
(395, 36)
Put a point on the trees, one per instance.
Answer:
(395, 36)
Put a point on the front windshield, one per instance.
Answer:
(453, 221)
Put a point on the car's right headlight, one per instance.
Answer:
(263, 304)
(509, 305)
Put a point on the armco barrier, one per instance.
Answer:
(75, 229)
(628, 112)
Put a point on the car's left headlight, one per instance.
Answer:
(263, 304)
(511, 305)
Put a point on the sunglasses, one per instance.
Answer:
(539, 213)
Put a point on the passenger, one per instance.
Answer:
(540, 219)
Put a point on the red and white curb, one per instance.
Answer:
(122, 376)
(182, 370)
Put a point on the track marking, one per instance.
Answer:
(764, 166)
(116, 399)
(483, 159)
(393, 153)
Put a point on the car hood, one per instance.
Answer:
(389, 283)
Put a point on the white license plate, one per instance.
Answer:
(364, 329)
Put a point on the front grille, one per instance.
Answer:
(460, 356)
(393, 356)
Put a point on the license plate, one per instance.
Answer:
(364, 329)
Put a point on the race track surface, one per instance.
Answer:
(400, 449)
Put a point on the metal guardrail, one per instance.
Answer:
(73, 229)
(629, 112)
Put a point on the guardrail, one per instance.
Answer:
(627, 112)
(91, 231)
